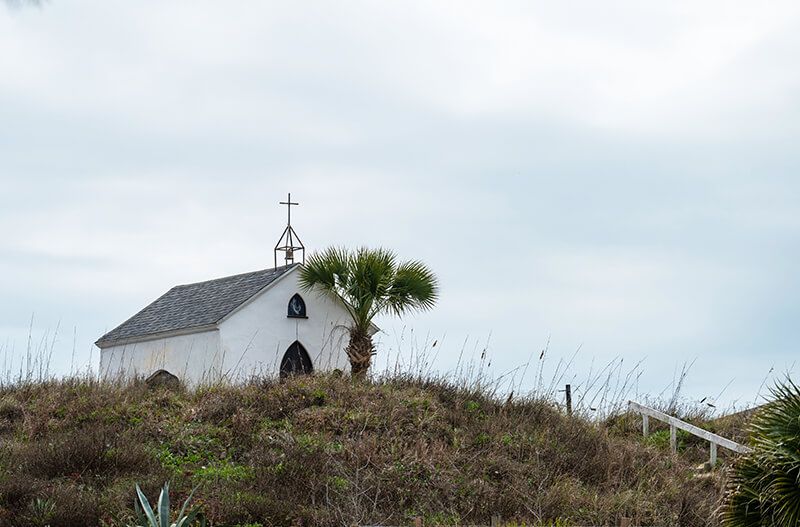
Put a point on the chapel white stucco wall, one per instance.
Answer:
(255, 336)
(194, 357)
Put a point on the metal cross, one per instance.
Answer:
(289, 204)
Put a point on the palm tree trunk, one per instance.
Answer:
(360, 351)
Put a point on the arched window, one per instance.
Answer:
(295, 361)
(297, 307)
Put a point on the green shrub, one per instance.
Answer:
(765, 487)
(661, 439)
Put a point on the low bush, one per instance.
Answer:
(322, 450)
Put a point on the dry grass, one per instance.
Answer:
(326, 451)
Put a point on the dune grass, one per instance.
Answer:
(323, 450)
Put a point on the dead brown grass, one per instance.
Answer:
(327, 451)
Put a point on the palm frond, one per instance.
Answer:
(330, 272)
(765, 486)
(415, 288)
(369, 282)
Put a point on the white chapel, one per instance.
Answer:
(233, 328)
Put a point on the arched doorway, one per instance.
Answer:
(162, 378)
(295, 361)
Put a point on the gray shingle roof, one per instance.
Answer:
(194, 305)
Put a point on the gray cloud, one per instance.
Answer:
(619, 178)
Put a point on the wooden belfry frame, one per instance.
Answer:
(290, 240)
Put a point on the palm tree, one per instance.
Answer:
(765, 487)
(369, 282)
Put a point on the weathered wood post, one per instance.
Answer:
(713, 454)
(645, 425)
(496, 520)
(568, 391)
(673, 438)
(419, 522)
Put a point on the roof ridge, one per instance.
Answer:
(281, 268)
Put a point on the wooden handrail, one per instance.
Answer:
(674, 423)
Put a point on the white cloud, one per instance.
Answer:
(635, 160)
(680, 69)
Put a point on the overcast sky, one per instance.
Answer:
(619, 177)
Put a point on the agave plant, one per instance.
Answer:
(148, 518)
(42, 511)
(765, 487)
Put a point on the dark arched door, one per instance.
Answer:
(295, 361)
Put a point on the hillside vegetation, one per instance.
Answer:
(323, 450)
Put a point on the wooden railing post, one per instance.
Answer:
(496, 521)
(713, 454)
(418, 521)
(569, 399)
(673, 438)
(645, 425)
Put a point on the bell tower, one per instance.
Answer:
(289, 243)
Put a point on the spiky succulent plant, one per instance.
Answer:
(160, 518)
